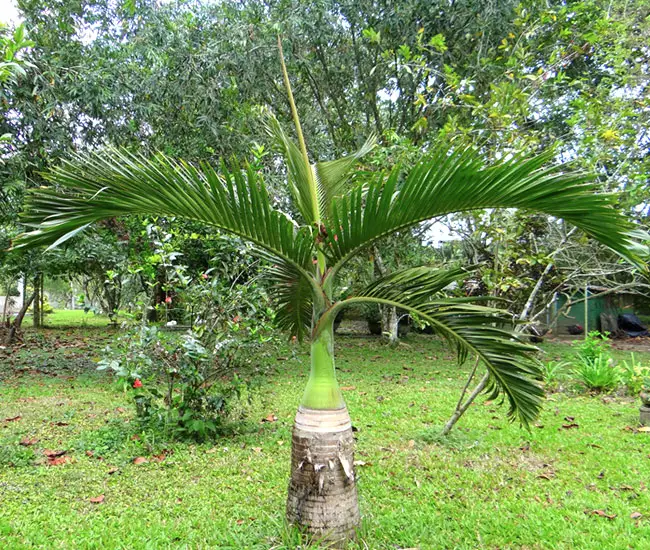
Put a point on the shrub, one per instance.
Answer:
(180, 383)
(634, 375)
(593, 346)
(598, 374)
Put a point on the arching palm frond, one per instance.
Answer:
(449, 182)
(472, 329)
(113, 183)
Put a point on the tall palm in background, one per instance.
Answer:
(338, 220)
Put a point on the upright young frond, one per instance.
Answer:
(333, 175)
(330, 176)
(297, 171)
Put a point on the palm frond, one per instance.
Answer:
(112, 183)
(471, 329)
(333, 175)
(449, 182)
(330, 176)
(293, 296)
(297, 175)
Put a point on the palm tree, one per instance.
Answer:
(338, 221)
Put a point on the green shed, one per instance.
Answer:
(597, 303)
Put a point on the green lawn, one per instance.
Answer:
(65, 318)
(491, 485)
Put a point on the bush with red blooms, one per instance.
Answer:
(188, 388)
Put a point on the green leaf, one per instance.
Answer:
(472, 329)
(456, 181)
(298, 178)
(331, 176)
(116, 183)
(293, 296)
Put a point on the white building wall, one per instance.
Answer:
(15, 302)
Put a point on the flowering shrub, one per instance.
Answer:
(181, 383)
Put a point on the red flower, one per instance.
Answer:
(168, 300)
(236, 319)
(137, 383)
(204, 275)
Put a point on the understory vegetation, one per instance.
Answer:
(77, 469)
(595, 368)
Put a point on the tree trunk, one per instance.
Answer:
(36, 320)
(323, 491)
(41, 297)
(18, 321)
(389, 320)
(322, 499)
(462, 407)
(390, 324)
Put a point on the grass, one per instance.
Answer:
(66, 318)
(490, 485)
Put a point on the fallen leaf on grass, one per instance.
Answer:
(636, 515)
(270, 418)
(547, 477)
(570, 426)
(97, 500)
(600, 513)
(362, 463)
(159, 457)
(58, 460)
(90, 453)
(49, 453)
(60, 423)
(13, 419)
(348, 388)
(140, 460)
(644, 429)
(113, 470)
(26, 442)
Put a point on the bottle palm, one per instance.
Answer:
(337, 221)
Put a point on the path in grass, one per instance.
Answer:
(577, 480)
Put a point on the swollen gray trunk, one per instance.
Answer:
(322, 492)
